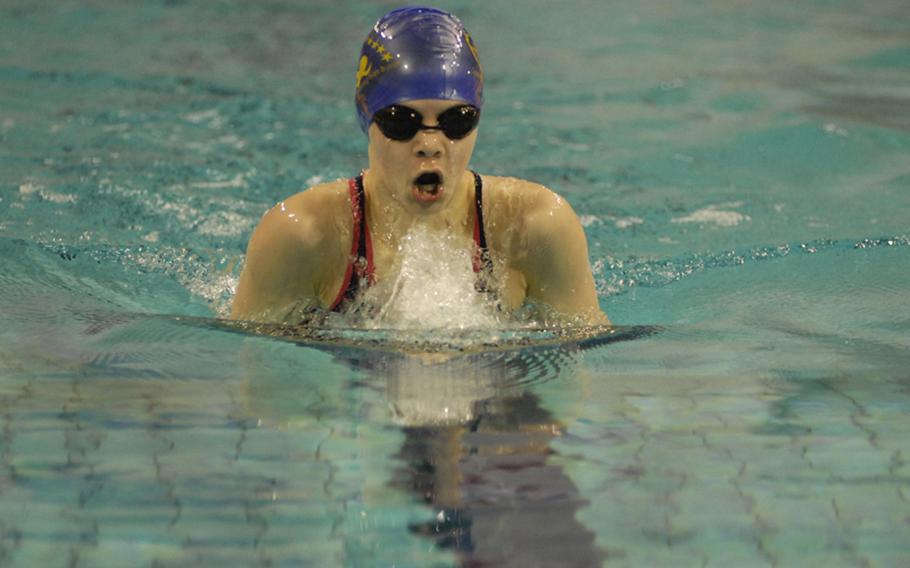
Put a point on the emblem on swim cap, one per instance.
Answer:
(416, 53)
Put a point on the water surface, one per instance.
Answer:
(742, 174)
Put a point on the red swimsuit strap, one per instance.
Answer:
(360, 261)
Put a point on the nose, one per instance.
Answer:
(428, 144)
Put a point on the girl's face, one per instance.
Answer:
(425, 173)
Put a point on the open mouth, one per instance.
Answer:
(428, 185)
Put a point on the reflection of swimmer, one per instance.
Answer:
(476, 443)
(419, 91)
(477, 449)
(425, 392)
(492, 486)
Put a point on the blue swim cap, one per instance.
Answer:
(416, 53)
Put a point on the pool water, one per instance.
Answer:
(743, 174)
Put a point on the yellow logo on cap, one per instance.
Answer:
(379, 49)
(365, 69)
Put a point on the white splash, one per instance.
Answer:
(620, 222)
(237, 181)
(587, 220)
(831, 128)
(224, 224)
(712, 214)
(211, 116)
(626, 222)
(433, 288)
(28, 189)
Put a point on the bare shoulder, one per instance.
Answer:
(323, 194)
(541, 237)
(527, 206)
(515, 191)
(310, 216)
(294, 252)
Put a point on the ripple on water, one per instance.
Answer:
(616, 276)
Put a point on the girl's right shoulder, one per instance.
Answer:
(311, 217)
(319, 199)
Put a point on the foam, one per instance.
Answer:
(712, 214)
(432, 288)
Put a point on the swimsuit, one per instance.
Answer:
(360, 265)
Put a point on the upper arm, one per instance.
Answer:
(558, 271)
(286, 261)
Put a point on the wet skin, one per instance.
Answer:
(299, 252)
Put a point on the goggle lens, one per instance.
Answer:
(402, 123)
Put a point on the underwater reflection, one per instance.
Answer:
(476, 450)
(477, 437)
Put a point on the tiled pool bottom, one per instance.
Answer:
(675, 470)
(139, 440)
(754, 477)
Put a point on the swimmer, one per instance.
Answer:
(419, 94)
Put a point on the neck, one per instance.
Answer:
(389, 220)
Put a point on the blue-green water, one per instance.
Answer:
(743, 172)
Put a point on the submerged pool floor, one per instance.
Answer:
(742, 175)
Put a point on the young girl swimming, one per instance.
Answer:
(419, 94)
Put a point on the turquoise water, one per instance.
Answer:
(742, 170)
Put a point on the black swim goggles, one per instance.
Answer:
(398, 122)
